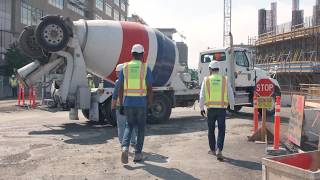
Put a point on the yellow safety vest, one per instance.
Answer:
(134, 73)
(216, 92)
(91, 84)
(13, 82)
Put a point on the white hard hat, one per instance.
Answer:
(137, 48)
(119, 67)
(89, 76)
(214, 65)
(13, 75)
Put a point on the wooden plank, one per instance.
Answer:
(296, 119)
(312, 104)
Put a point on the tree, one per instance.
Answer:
(15, 59)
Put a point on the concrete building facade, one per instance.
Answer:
(16, 14)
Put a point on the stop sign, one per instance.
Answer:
(264, 87)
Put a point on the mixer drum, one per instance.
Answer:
(105, 44)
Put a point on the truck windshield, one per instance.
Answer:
(218, 56)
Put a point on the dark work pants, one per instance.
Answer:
(14, 91)
(219, 115)
(136, 118)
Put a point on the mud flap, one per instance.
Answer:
(94, 109)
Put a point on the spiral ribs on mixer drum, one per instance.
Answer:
(28, 44)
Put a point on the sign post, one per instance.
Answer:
(264, 90)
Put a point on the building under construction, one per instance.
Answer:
(291, 49)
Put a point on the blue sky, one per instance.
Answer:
(201, 21)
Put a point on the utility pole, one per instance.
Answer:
(227, 23)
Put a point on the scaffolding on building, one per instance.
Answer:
(292, 55)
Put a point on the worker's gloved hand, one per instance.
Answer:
(121, 110)
(203, 113)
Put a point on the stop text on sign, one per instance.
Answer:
(264, 88)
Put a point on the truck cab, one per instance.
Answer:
(238, 65)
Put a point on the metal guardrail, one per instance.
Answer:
(299, 66)
(296, 32)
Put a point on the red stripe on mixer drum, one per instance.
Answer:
(133, 33)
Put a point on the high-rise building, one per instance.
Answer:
(16, 14)
(267, 20)
(295, 5)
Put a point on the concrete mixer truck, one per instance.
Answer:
(74, 48)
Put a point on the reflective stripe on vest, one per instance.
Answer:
(135, 78)
(216, 95)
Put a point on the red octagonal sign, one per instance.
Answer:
(264, 87)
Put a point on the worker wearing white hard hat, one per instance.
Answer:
(115, 107)
(216, 94)
(137, 48)
(135, 94)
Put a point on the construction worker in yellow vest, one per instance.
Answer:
(14, 85)
(135, 95)
(115, 107)
(90, 81)
(216, 94)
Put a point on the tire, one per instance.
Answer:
(108, 113)
(85, 113)
(28, 44)
(105, 114)
(52, 34)
(161, 110)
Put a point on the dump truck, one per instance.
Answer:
(74, 48)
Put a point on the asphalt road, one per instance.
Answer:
(36, 144)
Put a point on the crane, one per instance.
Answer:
(227, 23)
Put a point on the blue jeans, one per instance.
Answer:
(121, 124)
(136, 117)
(219, 115)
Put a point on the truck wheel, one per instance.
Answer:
(85, 113)
(161, 109)
(52, 34)
(105, 111)
(102, 117)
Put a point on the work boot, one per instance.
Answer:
(137, 157)
(219, 155)
(212, 152)
(124, 155)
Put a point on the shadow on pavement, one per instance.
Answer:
(154, 157)
(178, 125)
(245, 164)
(158, 171)
(80, 133)
(88, 133)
